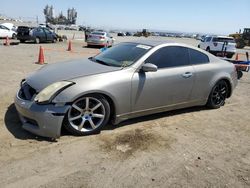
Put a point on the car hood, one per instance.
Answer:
(66, 71)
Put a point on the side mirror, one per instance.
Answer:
(149, 67)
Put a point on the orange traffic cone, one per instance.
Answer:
(237, 57)
(41, 56)
(7, 42)
(70, 46)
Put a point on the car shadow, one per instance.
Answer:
(14, 126)
(155, 116)
(93, 47)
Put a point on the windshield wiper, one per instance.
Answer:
(99, 61)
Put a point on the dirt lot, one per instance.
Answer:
(193, 147)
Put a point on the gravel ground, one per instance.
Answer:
(193, 147)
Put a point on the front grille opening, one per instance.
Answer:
(26, 92)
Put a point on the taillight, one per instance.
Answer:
(215, 43)
(102, 37)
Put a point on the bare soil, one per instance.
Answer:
(194, 147)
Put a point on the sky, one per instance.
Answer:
(201, 16)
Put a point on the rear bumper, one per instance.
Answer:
(96, 43)
(42, 120)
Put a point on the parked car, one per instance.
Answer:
(218, 44)
(128, 80)
(129, 34)
(7, 32)
(37, 34)
(121, 34)
(10, 26)
(98, 38)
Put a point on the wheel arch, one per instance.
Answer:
(107, 96)
(227, 80)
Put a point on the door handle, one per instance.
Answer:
(187, 74)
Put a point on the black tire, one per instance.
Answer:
(54, 40)
(68, 125)
(239, 74)
(208, 49)
(218, 95)
(199, 46)
(13, 36)
(22, 41)
(37, 40)
(230, 55)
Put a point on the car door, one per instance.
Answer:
(39, 32)
(48, 33)
(170, 85)
(203, 74)
(4, 31)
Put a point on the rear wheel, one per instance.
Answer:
(87, 115)
(230, 55)
(54, 40)
(218, 95)
(37, 40)
(208, 49)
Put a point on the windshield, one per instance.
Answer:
(220, 39)
(97, 33)
(122, 55)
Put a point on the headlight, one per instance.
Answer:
(48, 93)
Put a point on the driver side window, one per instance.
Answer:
(171, 56)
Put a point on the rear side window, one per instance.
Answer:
(197, 57)
(98, 33)
(221, 39)
(208, 39)
(172, 56)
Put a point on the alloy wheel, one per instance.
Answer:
(86, 114)
(219, 94)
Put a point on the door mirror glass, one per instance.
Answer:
(149, 67)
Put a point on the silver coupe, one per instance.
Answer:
(128, 80)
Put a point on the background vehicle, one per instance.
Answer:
(5, 31)
(98, 38)
(242, 39)
(121, 34)
(218, 44)
(37, 34)
(128, 80)
(144, 33)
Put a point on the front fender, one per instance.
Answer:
(116, 85)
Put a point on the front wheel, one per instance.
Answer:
(13, 36)
(87, 115)
(54, 40)
(218, 95)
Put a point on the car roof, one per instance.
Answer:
(219, 36)
(151, 42)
